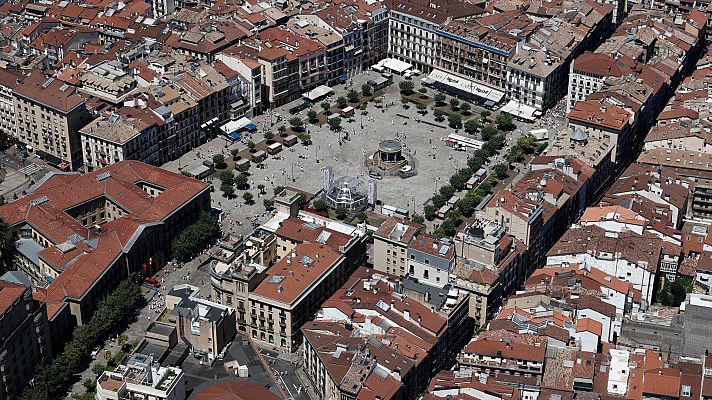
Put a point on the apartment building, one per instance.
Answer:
(356, 329)
(108, 81)
(131, 134)
(414, 28)
(390, 245)
(589, 70)
(490, 265)
(8, 82)
(141, 377)
(48, 116)
(292, 291)
(522, 219)
(25, 331)
(207, 327)
(250, 76)
(501, 352)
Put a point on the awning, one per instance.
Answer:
(465, 87)
(342, 78)
(251, 127)
(394, 65)
(234, 136)
(236, 126)
(317, 93)
(519, 110)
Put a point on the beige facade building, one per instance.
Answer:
(390, 245)
(109, 82)
(206, 326)
(292, 291)
(48, 116)
(108, 140)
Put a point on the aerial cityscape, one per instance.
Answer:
(355, 200)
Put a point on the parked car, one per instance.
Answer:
(375, 175)
(95, 352)
(151, 281)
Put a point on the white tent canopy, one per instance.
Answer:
(465, 86)
(519, 110)
(318, 92)
(234, 126)
(393, 65)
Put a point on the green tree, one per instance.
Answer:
(269, 135)
(325, 106)
(243, 168)
(454, 120)
(98, 369)
(418, 219)
(320, 205)
(261, 188)
(352, 95)
(366, 89)
(296, 123)
(505, 121)
(454, 104)
(52, 381)
(312, 116)
(341, 102)
(459, 180)
(447, 190)
(439, 99)
(234, 153)
(219, 161)
(448, 226)
(406, 87)
(302, 200)
(341, 213)
(438, 200)
(7, 248)
(123, 340)
(228, 191)
(421, 107)
(487, 132)
(467, 206)
(195, 237)
(334, 123)
(227, 177)
(248, 197)
(439, 115)
(501, 171)
(362, 216)
(484, 114)
(429, 211)
(526, 143)
(465, 108)
(277, 190)
(89, 384)
(251, 145)
(471, 126)
(241, 181)
(305, 138)
(439, 233)
(268, 203)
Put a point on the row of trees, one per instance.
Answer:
(466, 205)
(52, 381)
(195, 237)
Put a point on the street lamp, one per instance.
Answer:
(437, 179)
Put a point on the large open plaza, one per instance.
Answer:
(422, 139)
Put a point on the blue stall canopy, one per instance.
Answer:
(342, 78)
(232, 128)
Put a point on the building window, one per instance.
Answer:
(425, 274)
